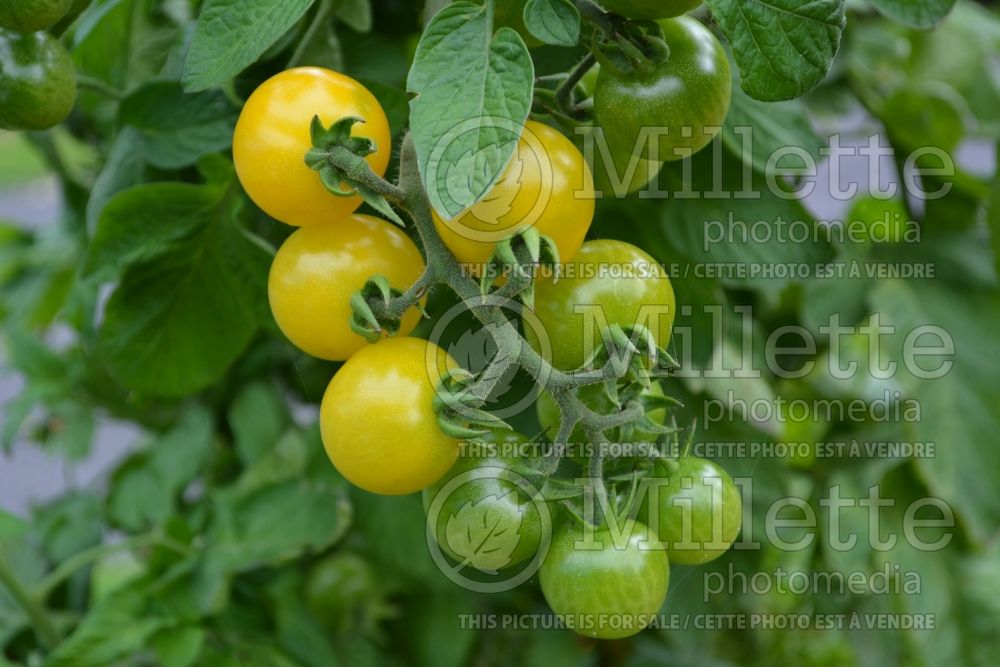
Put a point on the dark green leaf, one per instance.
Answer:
(180, 316)
(232, 34)
(784, 48)
(356, 13)
(177, 128)
(553, 21)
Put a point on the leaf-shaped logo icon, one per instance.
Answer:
(482, 537)
(499, 201)
(473, 349)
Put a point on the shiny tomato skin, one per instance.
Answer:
(610, 592)
(319, 267)
(272, 138)
(608, 282)
(688, 94)
(377, 418)
(547, 185)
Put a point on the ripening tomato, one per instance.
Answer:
(547, 185)
(608, 592)
(318, 268)
(377, 418)
(608, 282)
(272, 138)
(699, 511)
(483, 516)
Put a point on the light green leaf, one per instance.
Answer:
(232, 34)
(759, 129)
(257, 417)
(784, 48)
(958, 410)
(553, 21)
(916, 13)
(116, 627)
(123, 168)
(475, 110)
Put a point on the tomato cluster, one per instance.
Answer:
(37, 75)
(490, 510)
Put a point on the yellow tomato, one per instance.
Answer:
(272, 139)
(318, 268)
(378, 422)
(546, 185)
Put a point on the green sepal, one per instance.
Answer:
(458, 430)
(363, 321)
(555, 490)
(378, 202)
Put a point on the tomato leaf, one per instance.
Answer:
(190, 297)
(357, 14)
(765, 128)
(553, 21)
(232, 34)
(957, 409)
(784, 48)
(124, 168)
(919, 14)
(177, 129)
(474, 111)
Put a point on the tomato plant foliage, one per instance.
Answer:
(222, 535)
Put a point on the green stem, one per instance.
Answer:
(68, 567)
(323, 14)
(594, 13)
(85, 82)
(48, 636)
(564, 93)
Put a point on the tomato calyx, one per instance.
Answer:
(637, 49)
(459, 398)
(339, 158)
(517, 259)
(631, 352)
(377, 308)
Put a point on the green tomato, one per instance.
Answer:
(623, 173)
(486, 519)
(688, 94)
(699, 511)
(339, 589)
(37, 81)
(32, 15)
(607, 282)
(617, 173)
(608, 592)
(650, 9)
